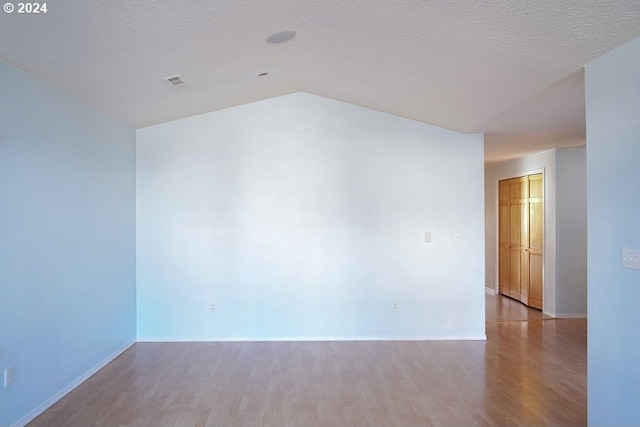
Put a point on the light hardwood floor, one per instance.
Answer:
(531, 371)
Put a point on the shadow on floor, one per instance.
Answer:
(499, 308)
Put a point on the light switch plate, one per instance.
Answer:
(631, 258)
(427, 236)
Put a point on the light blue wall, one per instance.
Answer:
(571, 232)
(67, 240)
(304, 218)
(613, 218)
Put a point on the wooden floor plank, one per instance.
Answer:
(531, 371)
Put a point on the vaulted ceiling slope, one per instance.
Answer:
(456, 64)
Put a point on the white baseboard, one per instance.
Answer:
(311, 339)
(571, 316)
(490, 291)
(66, 390)
(566, 315)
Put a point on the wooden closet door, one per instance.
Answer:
(524, 239)
(503, 237)
(518, 238)
(536, 240)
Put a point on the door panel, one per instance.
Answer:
(535, 280)
(503, 237)
(524, 240)
(535, 225)
(514, 245)
(536, 240)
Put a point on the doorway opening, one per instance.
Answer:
(521, 239)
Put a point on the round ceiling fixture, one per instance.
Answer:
(281, 37)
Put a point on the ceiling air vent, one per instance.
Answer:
(175, 81)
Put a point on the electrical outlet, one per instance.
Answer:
(395, 306)
(212, 308)
(8, 377)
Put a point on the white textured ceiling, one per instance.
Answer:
(472, 66)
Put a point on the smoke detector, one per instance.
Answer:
(175, 81)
